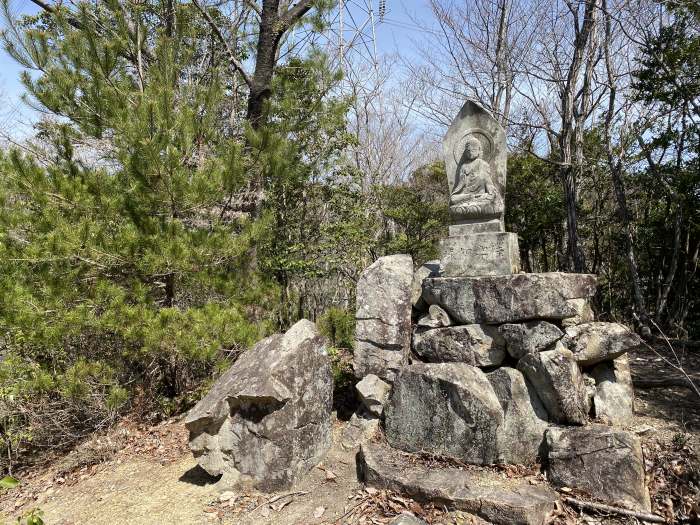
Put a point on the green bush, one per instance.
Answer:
(338, 326)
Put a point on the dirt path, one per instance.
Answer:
(147, 490)
(150, 478)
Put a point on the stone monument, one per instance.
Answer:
(475, 159)
(477, 361)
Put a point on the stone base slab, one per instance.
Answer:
(509, 298)
(470, 226)
(492, 253)
(502, 501)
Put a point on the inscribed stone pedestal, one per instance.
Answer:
(494, 253)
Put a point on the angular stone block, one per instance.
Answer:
(373, 393)
(530, 337)
(524, 418)
(584, 313)
(614, 393)
(429, 269)
(516, 501)
(480, 254)
(383, 328)
(435, 318)
(476, 345)
(508, 298)
(596, 342)
(558, 383)
(360, 429)
(267, 420)
(445, 408)
(605, 462)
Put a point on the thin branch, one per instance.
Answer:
(599, 507)
(293, 14)
(255, 7)
(231, 55)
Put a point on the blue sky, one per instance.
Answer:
(396, 31)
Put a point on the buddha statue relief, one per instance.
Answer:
(474, 194)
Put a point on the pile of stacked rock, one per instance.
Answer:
(470, 359)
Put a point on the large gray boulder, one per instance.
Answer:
(508, 298)
(530, 337)
(558, 383)
(605, 462)
(383, 329)
(614, 393)
(595, 342)
(485, 493)
(267, 420)
(477, 345)
(521, 436)
(373, 393)
(444, 408)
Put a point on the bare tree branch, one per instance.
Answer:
(217, 31)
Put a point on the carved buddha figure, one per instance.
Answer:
(474, 195)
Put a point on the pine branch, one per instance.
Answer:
(232, 56)
(77, 25)
(295, 13)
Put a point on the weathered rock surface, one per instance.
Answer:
(429, 269)
(491, 253)
(603, 461)
(360, 429)
(435, 318)
(595, 342)
(383, 329)
(522, 501)
(267, 420)
(530, 337)
(508, 298)
(521, 436)
(559, 384)
(374, 393)
(407, 519)
(584, 313)
(444, 408)
(614, 397)
(477, 345)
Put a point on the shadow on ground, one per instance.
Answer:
(198, 476)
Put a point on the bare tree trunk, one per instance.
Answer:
(569, 119)
(615, 166)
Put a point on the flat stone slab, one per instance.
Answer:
(509, 298)
(494, 253)
(485, 493)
